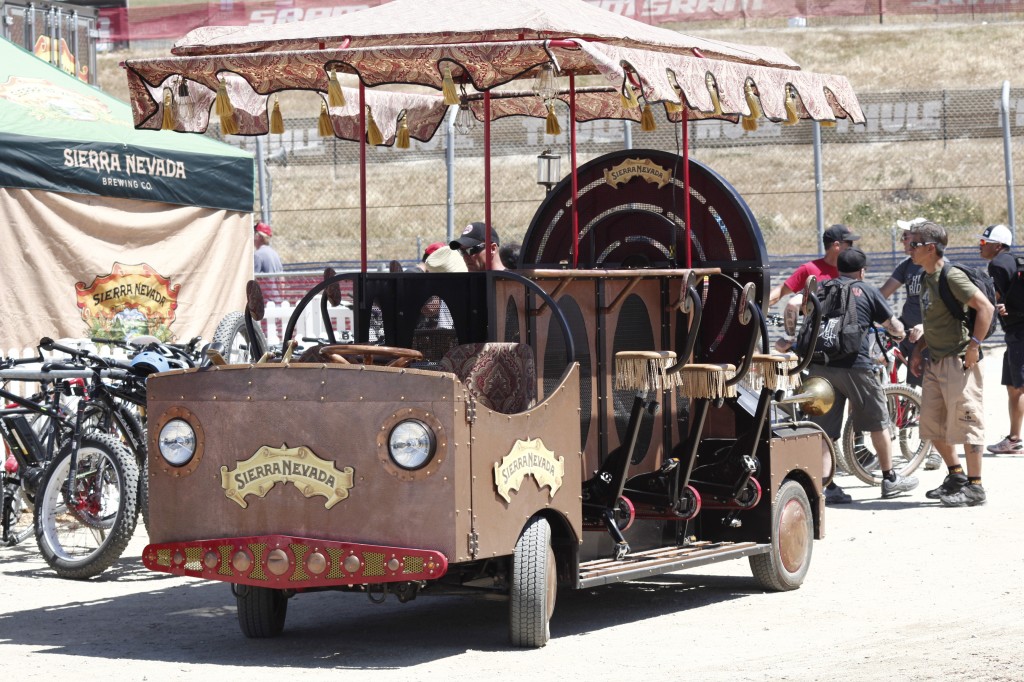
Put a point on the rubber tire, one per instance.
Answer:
(905, 459)
(261, 611)
(110, 548)
(22, 528)
(534, 586)
(131, 421)
(785, 566)
(231, 333)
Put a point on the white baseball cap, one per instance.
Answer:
(997, 233)
(910, 224)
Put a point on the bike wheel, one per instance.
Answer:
(127, 426)
(17, 511)
(84, 524)
(232, 334)
(908, 449)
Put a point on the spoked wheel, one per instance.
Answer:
(233, 336)
(261, 611)
(785, 566)
(83, 523)
(17, 514)
(534, 586)
(908, 450)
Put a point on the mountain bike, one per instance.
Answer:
(904, 405)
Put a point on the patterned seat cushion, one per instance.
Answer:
(500, 376)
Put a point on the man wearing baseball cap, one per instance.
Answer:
(265, 259)
(474, 250)
(994, 244)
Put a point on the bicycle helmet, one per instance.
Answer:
(149, 362)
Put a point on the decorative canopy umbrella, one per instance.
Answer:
(471, 50)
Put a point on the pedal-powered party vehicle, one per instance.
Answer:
(607, 412)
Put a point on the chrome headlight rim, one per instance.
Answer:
(157, 463)
(179, 448)
(425, 434)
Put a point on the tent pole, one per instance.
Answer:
(487, 177)
(362, 177)
(575, 178)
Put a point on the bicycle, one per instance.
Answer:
(904, 405)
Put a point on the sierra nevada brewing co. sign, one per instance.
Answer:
(132, 299)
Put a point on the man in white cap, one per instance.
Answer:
(994, 245)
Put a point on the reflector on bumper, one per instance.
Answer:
(286, 562)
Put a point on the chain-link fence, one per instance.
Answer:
(938, 154)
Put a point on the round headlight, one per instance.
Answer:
(177, 442)
(411, 444)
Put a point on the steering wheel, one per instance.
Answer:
(390, 356)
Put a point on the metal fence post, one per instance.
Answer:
(1011, 214)
(261, 176)
(627, 135)
(819, 197)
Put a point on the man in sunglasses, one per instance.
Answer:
(994, 245)
(952, 411)
(472, 245)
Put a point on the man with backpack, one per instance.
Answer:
(835, 240)
(952, 411)
(1005, 270)
(842, 355)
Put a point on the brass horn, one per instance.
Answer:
(815, 399)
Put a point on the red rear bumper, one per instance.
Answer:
(286, 562)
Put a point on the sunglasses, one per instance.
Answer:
(473, 250)
(914, 245)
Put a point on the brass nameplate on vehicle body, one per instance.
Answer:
(529, 457)
(637, 168)
(299, 466)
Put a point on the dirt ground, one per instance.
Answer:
(900, 589)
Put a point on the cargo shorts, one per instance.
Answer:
(952, 409)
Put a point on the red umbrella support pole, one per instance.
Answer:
(487, 177)
(362, 177)
(685, 125)
(575, 178)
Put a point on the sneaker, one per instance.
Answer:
(902, 484)
(1007, 447)
(933, 461)
(952, 483)
(971, 495)
(835, 495)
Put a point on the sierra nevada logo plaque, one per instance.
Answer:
(299, 466)
(533, 458)
(637, 168)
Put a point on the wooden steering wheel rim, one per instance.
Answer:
(395, 356)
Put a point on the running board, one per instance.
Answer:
(663, 560)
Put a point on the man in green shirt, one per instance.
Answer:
(951, 398)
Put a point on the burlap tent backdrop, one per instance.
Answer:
(471, 51)
(110, 230)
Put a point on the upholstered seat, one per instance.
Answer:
(500, 376)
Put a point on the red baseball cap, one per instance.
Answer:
(432, 248)
(264, 228)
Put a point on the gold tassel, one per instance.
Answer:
(168, 122)
(749, 122)
(228, 125)
(323, 124)
(552, 126)
(223, 106)
(792, 117)
(628, 97)
(373, 134)
(827, 124)
(647, 123)
(335, 97)
(713, 89)
(451, 95)
(402, 138)
(673, 108)
(276, 120)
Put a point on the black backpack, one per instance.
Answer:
(1014, 298)
(980, 278)
(841, 334)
